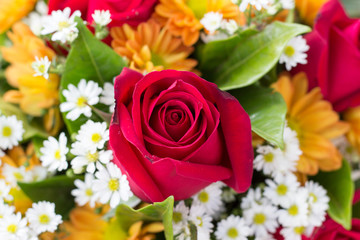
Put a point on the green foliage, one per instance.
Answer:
(89, 59)
(56, 189)
(340, 189)
(267, 111)
(126, 216)
(32, 128)
(243, 59)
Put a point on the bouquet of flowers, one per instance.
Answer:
(179, 119)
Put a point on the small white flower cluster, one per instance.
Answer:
(294, 53)
(272, 6)
(108, 96)
(21, 174)
(101, 17)
(34, 18)
(61, 24)
(41, 217)
(41, 67)
(108, 186)
(217, 27)
(273, 161)
(11, 132)
(283, 202)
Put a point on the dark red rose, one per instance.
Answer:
(174, 133)
(334, 56)
(131, 12)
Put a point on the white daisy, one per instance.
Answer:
(210, 199)
(228, 195)
(38, 173)
(206, 38)
(261, 219)
(60, 24)
(107, 96)
(230, 26)
(287, 4)
(292, 151)
(41, 67)
(293, 233)
(54, 153)
(295, 212)
(84, 192)
(101, 18)
(201, 220)
(212, 21)
(13, 227)
(294, 53)
(268, 159)
(232, 228)
(80, 98)
(34, 19)
(15, 174)
(11, 132)
(258, 4)
(2, 153)
(253, 197)
(281, 189)
(93, 135)
(42, 217)
(87, 158)
(5, 191)
(180, 217)
(111, 185)
(5, 210)
(318, 203)
(346, 149)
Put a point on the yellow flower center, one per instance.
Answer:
(44, 219)
(269, 157)
(177, 217)
(232, 233)
(92, 157)
(7, 131)
(57, 154)
(201, 221)
(96, 137)
(81, 102)
(293, 210)
(281, 189)
(157, 60)
(63, 24)
(289, 51)
(203, 197)
(198, 7)
(113, 184)
(18, 176)
(259, 218)
(12, 228)
(314, 197)
(89, 192)
(299, 230)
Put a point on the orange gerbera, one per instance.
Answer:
(315, 122)
(150, 47)
(12, 11)
(308, 9)
(183, 16)
(84, 224)
(34, 94)
(352, 116)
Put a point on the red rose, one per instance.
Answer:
(131, 12)
(334, 56)
(174, 133)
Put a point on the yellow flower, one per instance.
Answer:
(34, 94)
(12, 11)
(308, 9)
(315, 122)
(17, 157)
(84, 224)
(138, 232)
(150, 47)
(352, 116)
(183, 16)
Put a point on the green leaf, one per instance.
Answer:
(31, 128)
(193, 232)
(249, 57)
(126, 216)
(55, 189)
(89, 59)
(267, 111)
(340, 189)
